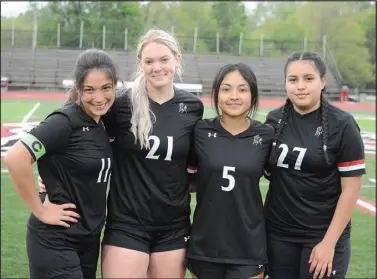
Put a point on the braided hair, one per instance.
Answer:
(282, 121)
(320, 65)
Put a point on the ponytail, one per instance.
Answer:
(73, 96)
(324, 121)
(141, 119)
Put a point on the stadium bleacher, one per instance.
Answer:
(193, 88)
(47, 68)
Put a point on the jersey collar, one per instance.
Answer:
(222, 131)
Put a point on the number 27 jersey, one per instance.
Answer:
(304, 190)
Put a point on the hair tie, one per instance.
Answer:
(274, 143)
(325, 147)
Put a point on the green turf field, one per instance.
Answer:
(14, 213)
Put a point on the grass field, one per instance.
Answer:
(14, 213)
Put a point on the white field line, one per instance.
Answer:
(30, 113)
(24, 120)
(366, 205)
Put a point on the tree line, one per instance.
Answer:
(349, 28)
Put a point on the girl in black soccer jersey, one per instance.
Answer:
(228, 237)
(74, 160)
(317, 162)
(148, 220)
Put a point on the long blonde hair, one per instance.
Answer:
(141, 119)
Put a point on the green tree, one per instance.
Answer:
(367, 20)
(231, 20)
(345, 37)
(185, 18)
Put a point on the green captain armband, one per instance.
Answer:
(34, 145)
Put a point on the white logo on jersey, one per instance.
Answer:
(186, 238)
(182, 108)
(85, 129)
(111, 139)
(257, 140)
(333, 272)
(260, 265)
(318, 132)
(212, 135)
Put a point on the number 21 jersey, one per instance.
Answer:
(149, 188)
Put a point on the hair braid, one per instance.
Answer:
(273, 156)
(325, 133)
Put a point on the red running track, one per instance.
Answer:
(264, 103)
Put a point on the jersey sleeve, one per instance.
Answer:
(272, 119)
(270, 136)
(111, 118)
(351, 157)
(192, 161)
(109, 121)
(49, 136)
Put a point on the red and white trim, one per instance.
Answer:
(351, 166)
(192, 169)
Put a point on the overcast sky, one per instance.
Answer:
(13, 8)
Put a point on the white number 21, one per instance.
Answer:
(284, 153)
(156, 144)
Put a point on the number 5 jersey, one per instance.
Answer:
(304, 190)
(228, 224)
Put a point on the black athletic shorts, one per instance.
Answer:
(211, 270)
(291, 260)
(61, 262)
(147, 241)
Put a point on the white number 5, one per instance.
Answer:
(226, 175)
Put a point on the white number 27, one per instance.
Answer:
(284, 153)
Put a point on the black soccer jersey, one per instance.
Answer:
(149, 188)
(304, 190)
(75, 168)
(228, 224)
